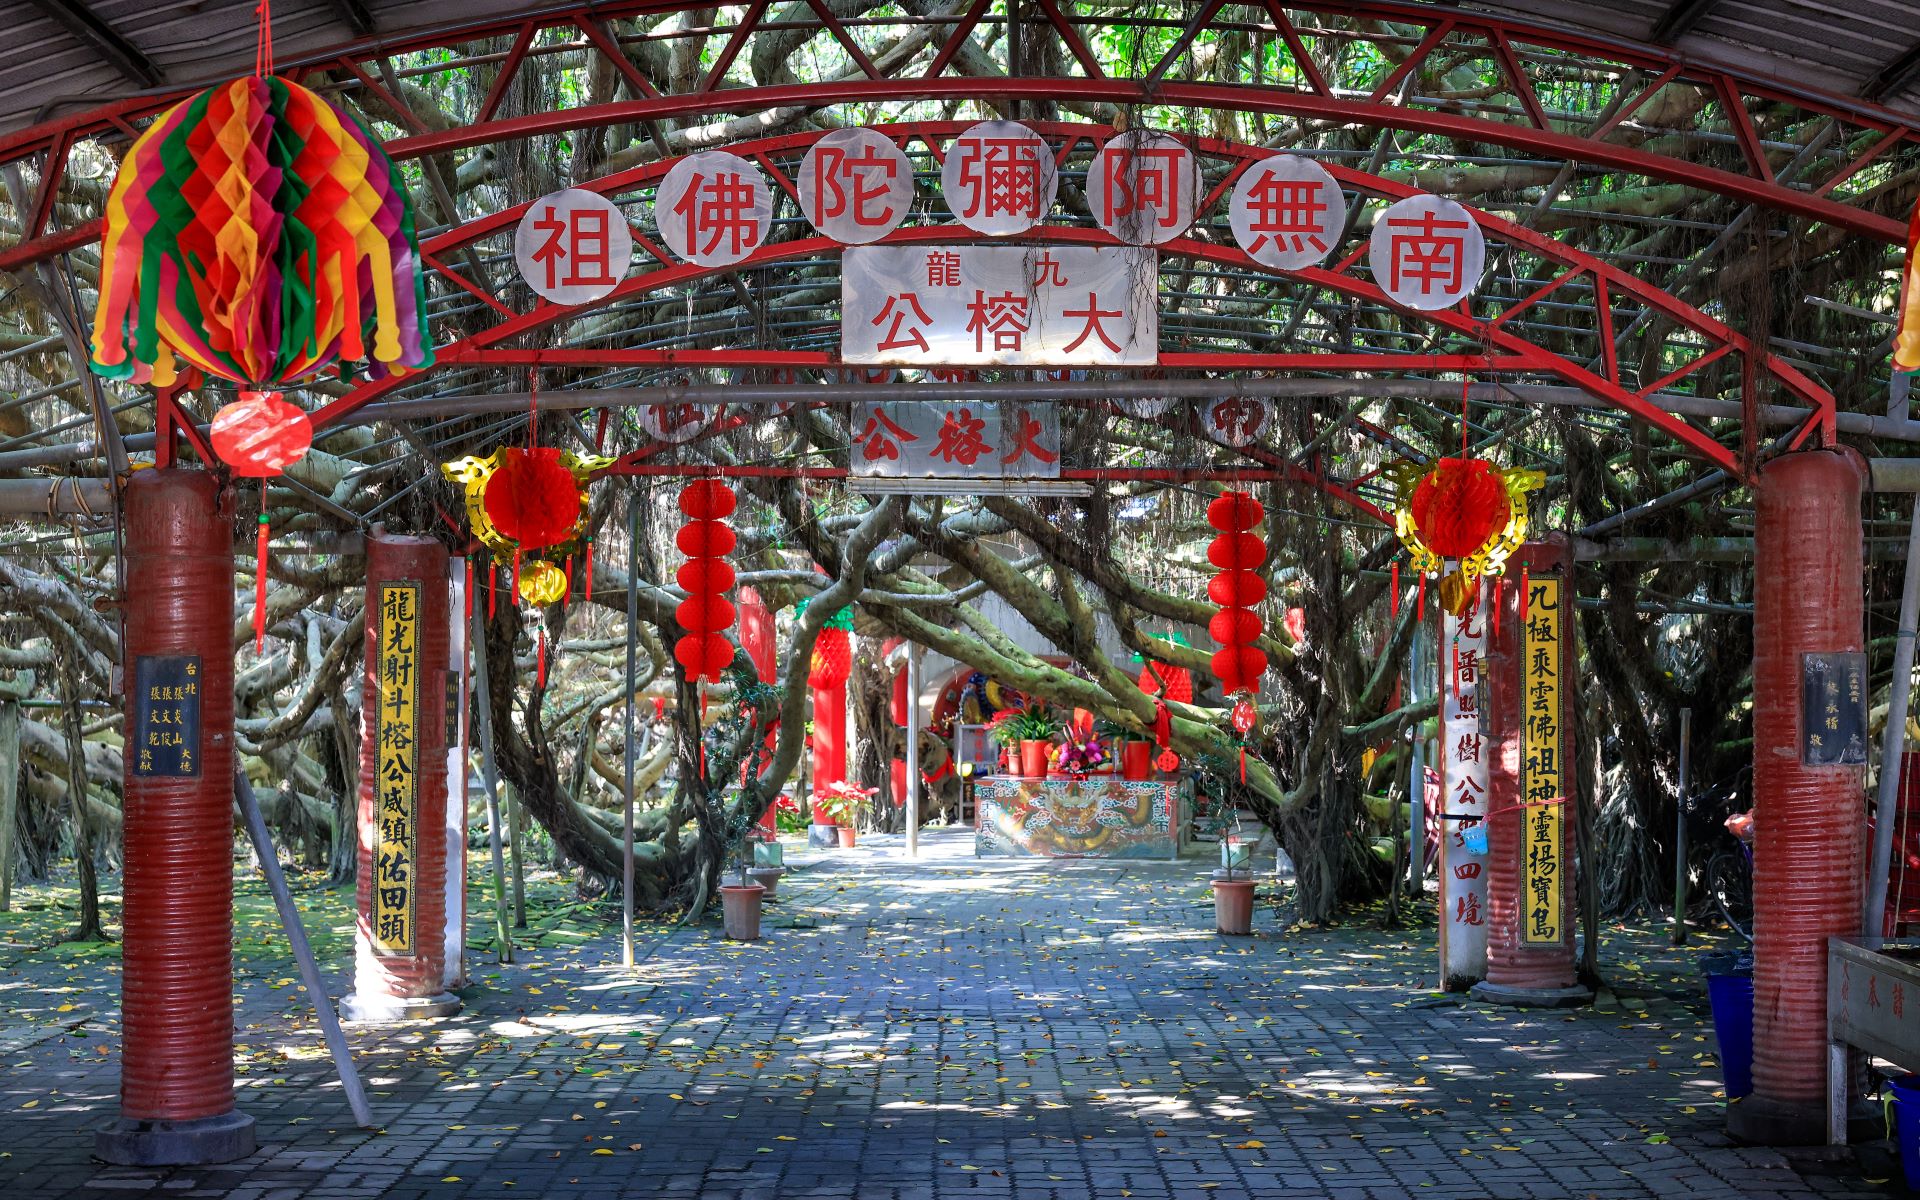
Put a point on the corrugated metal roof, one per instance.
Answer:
(1833, 46)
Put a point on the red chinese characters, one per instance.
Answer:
(1426, 253)
(1141, 188)
(713, 209)
(1236, 421)
(855, 185)
(1286, 212)
(573, 247)
(961, 438)
(999, 178)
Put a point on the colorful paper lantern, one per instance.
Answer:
(542, 583)
(261, 434)
(532, 491)
(705, 614)
(256, 233)
(832, 659)
(1236, 626)
(1465, 509)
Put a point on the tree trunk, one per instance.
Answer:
(89, 929)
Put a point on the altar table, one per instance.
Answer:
(1101, 816)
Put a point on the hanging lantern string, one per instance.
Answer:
(1465, 383)
(533, 400)
(260, 576)
(263, 48)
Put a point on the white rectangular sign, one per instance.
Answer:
(1464, 778)
(915, 439)
(1009, 306)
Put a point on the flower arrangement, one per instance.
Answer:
(842, 800)
(1081, 754)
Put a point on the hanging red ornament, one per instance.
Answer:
(261, 434)
(1167, 761)
(1238, 663)
(832, 659)
(1232, 625)
(1237, 589)
(705, 539)
(589, 570)
(1244, 715)
(705, 614)
(1464, 509)
(540, 672)
(705, 575)
(1179, 682)
(1236, 511)
(1236, 551)
(1162, 725)
(1393, 591)
(707, 500)
(260, 585)
(532, 499)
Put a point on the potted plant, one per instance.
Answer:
(1233, 881)
(842, 801)
(740, 908)
(1131, 753)
(1082, 754)
(769, 860)
(1033, 726)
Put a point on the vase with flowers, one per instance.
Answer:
(1081, 755)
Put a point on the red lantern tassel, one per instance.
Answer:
(1243, 766)
(540, 669)
(493, 584)
(1393, 605)
(260, 586)
(1493, 585)
(1524, 580)
(516, 570)
(603, 418)
(1420, 599)
(1162, 724)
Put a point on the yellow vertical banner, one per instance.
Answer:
(1543, 765)
(396, 783)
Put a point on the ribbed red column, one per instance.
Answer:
(829, 741)
(392, 985)
(176, 1064)
(1518, 971)
(1808, 859)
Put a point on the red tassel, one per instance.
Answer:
(516, 570)
(1420, 600)
(1162, 724)
(1243, 766)
(1393, 605)
(1523, 594)
(493, 584)
(603, 417)
(541, 667)
(260, 587)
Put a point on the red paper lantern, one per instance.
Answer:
(1239, 668)
(1236, 589)
(1234, 511)
(703, 652)
(1460, 506)
(1179, 682)
(1233, 625)
(261, 434)
(705, 539)
(707, 500)
(1237, 551)
(531, 498)
(704, 655)
(704, 613)
(832, 659)
(705, 575)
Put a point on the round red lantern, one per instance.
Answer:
(1234, 511)
(1239, 668)
(1236, 551)
(703, 652)
(705, 539)
(532, 498)
(261, 434)
(707, 500)
(832, 659)
(704, 613)
(704, 655)
(1179, 682)
(1233, 625)
(1236, 589)
(705, 575)
(1460, 506)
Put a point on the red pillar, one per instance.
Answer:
(176, 1065)
(1530, 685)
(756, 631)
(1808, 859)
(400, 935)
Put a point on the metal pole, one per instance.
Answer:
(913, 751)
(633, 626)
(1680, 832)
(1417, 782)
(490, 775)
(302, 952)
(1893, 747)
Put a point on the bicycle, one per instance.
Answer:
(1729, 873)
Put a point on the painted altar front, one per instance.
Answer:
(1097, 817)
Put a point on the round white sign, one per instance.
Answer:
(1286, 212)
(1427, 253)
(713, 209)
(678, 422)
(573, 247)
(855, 185)
(999, 178)
(1146, 408)
(1236, 421)
(1141, 187)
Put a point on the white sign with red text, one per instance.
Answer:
(1286, 212)
(1142, 187)
(855, 186)
(1464, 761)
(984, 440)
(999, 178)
(573, 247)
(922, 306)
(1427, 253)
(713, 209)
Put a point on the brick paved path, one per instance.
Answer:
(947, 1029)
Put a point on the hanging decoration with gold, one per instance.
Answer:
(526, 499)
(1464, 509)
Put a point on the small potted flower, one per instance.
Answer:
(841, 801)
(1081, 755)
(1036, 727)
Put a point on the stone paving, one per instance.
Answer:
(945, 1028)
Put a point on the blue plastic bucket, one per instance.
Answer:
(1731, 997)
(1906, 1124)
(1475, 838)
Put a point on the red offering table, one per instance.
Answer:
(1101, 816)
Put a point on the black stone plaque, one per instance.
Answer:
(1833, 710)
(166, 715)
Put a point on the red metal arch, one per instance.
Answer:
(1507, 351)
(1314, 99)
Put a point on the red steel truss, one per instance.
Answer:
(1523, 54)
(1505, 350)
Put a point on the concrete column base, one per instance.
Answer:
(1521, 997)
(823, 837)
(1763, 1121)
(130, 1143)
(389, 1010)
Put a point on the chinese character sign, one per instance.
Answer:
(1141, 187)
(926, 306)
(1426, 253)
(674, 423)
(396, 784)
(1465, 759)
(1286, 212)
(855, 185)
(713, 209)
(166, 716)
(573, 247)
(981, 440)
(1543, 765)
(999, 177)
(1833, 710)
(1236, 421)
